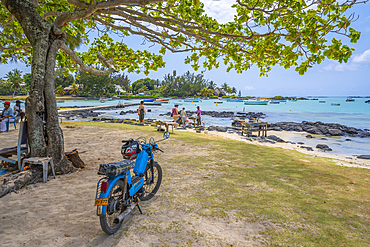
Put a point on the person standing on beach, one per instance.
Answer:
(175, 113)
(199, 115)
(5, 115)
(183, 117)
(141, 112)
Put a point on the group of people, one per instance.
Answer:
(9, 112)
(175, 114)
(183, 117)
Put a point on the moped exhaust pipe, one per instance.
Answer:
(124, 214)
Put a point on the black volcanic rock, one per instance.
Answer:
(366, 157)
(320, 128)
(275, 138)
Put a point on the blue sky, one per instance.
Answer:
(329, 78)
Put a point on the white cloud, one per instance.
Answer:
(220, 10)
(329, 67)
(345, 66)
(363, 58)
(248, 88)
(341, 67)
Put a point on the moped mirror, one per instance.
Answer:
(166, 135)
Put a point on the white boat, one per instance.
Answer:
(274, 102)
(102, 100)
(255, 102)
(349, 99)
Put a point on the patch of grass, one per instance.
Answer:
(310, 200)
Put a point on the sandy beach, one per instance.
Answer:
(61, 212)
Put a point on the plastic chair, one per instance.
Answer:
(7, 123)
(21, 148)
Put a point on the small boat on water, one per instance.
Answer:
(322, 101)
(335, 104)
(102, 100)
(109, 99)
(255, 102)
(60, 101)
(274, 102)
(191, 100)
(367, 101)
(279, 100)
(349, 99)
(218, 102)
(149, 100)
(158, 100)
(234, 100)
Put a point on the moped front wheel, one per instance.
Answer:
(152, 181)
(117, 196)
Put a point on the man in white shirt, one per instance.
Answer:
(5, 115)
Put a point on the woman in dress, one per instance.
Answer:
(141, 112)
(175, 113)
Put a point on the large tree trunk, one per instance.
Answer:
(41, 107)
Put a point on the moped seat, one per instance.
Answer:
(116, 168)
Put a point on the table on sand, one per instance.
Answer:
(166, 125)
(195, 119)
(248, 127)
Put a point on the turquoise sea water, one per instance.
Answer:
(354, 114)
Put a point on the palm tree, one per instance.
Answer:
(75, 90)
(59, 90)
(224, 87)
(212, 85)
(228, 90)
(206, 92)
(233, 90)
(15, 77)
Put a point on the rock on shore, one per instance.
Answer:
(319, 128)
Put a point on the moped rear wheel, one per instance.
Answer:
(152, 181)
(117, 196)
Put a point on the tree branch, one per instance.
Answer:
(51, 13)
(86, 68)
(15, 48)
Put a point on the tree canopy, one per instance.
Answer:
(263, 33)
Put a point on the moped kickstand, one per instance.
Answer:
(139, 208)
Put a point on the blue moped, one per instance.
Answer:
(119, 191)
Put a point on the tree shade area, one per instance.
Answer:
(45, 35)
